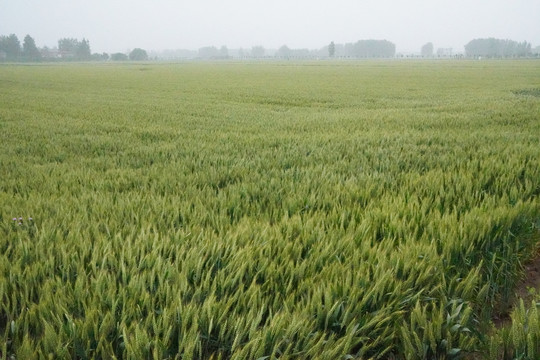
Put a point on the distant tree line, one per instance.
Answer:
(212, 52)
(371, 49)
(11, 50)
(285, 52)
(362, 49)
(497, 48)
(359, 49)
(69, 49)
(73, 49)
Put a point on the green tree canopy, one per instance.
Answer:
(119, 57)
(366, 49)
(30, 50)
(73, 49)
(10, 46)
(374, 48)
(138, 54)
(284, 52)
(427, 50)
(331, 49)
(492, 47)
(68, 47)
(83, 50)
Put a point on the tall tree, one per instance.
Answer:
(83, 50)
(138, 55)
(331, 49)
(30, 50)
(284, 52)
(427, 50)
(11, 46)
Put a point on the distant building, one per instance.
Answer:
(47, 53)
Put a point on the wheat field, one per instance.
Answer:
(279, 210)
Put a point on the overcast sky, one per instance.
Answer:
(120, 25)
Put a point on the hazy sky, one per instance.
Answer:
(120, 25)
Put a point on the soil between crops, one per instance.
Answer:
(530, 280)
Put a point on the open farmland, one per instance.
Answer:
(322, 210)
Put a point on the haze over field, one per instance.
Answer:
(167, 24)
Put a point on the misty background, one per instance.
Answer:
(158, 25)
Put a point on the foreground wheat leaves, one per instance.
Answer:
(263, 211)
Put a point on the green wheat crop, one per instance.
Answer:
(320, 210)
